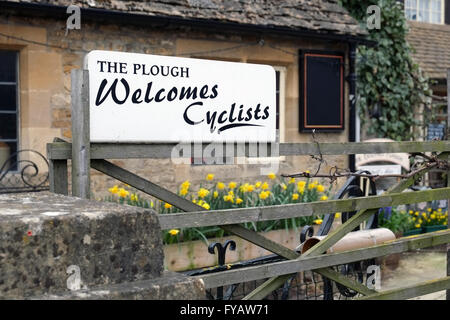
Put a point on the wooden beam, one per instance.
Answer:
(80, 134)
(321, 247)
(257, 214)
(58, 176)
(411, 291)
(59, 151)
(316, 263)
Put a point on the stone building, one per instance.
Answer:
(37, 54)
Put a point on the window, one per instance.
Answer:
(280, 78)
(431, 11)
(8, 106)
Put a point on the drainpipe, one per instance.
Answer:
(353, 126)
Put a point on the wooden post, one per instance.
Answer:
(80, 134)
(448, 174)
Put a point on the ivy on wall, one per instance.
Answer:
(390, 85)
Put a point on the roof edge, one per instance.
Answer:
(141, 19)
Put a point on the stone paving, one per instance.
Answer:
(415, 267)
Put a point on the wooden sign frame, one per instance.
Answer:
(306, 125)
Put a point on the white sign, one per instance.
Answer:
(382, 169)
(149, 98)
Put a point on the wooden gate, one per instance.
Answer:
(85, 155)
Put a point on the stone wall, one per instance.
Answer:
(59, 247)
(49, 55)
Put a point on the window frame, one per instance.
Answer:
(17, 110)
(281, 133)
(430, 11)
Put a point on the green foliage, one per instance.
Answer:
(399, 221)
(390, 86)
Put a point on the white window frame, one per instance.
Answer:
(281, 134)
(428, 20)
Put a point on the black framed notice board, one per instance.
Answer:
(321, 91)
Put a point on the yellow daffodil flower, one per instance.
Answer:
(167, 205)
(323, 198)
(265, 186)
(215, 194)
(184, 191)
(185, 185)
(232, 185)
(318, 221)
(291, 180)
(258, 184)
(174, 232)
(295, 196)
(123, 193)
(283, 186)
(202, 192)
(114, 190)
(209, 177)
(206, 206)
(264, 195)
(320, 188)
(271, 176)
(220, 185)
(239, 201)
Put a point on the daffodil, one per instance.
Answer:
(215, 194)
(264, 195)
(291, 180)
(283, 186)
(258, 184)
(210, 177)
(174, 232)
(185, 185)
(295, 196)
(220, 185)
(320, 188)
(301, 185)
(134, 197)
(417, 225)
(183, 191)
(206, 206)
(228, 198)
(239, 201)
(311, 186)
(167, 205)
(318, 221)
(232, 185)
(323, 198)
(202, 192)
(114, 190)
(265, 186)
(271, 176)
(123, 193)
